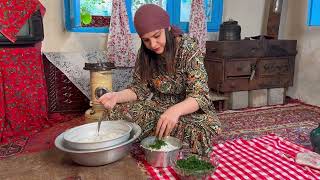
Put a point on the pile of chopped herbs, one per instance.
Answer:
(193, 165)
(157, 144)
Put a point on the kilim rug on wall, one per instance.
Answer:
(292, 121)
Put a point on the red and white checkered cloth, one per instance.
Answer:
(268, 157)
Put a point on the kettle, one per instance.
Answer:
(230, 31)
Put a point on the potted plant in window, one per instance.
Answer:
(85, 13)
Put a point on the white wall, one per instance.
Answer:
(57, 39)
(247, 12)
(307, 69)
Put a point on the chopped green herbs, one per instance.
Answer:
(157, 144)
(194, 165)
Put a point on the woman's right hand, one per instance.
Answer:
(109, 100)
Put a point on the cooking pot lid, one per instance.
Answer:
(100, 66)
(230, 22)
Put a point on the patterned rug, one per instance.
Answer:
(42, 140)
(292, 121)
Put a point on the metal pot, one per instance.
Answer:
(230, 31)
(102, 156)
(74, 138)
(161, 158)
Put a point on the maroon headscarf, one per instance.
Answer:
(150, 17)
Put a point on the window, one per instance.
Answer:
(94, 15)
(313, 13)
(87, 15)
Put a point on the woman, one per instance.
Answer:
(169, 92)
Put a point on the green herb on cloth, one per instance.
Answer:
(192, 165)
(157, 144)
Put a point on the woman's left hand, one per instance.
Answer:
(168, 120)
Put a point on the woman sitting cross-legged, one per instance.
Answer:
(169, 94)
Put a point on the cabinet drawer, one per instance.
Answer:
(234, 49)
(273, 66)
(239, 67)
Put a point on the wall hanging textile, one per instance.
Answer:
(119, 45)
(72, 63)
(198, 23)
(23, 93)
(14, 14)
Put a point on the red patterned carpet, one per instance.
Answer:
(292, 121)
(42, 140)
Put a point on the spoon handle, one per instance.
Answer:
(100, 120)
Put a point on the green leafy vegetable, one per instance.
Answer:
(193, 165)
(157, 144)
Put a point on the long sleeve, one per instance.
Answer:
(197, 78)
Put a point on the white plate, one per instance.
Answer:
(86, 137)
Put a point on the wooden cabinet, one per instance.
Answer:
(250, 64)
(63, 95)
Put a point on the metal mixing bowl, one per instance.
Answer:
(158, 158)
(77, 137)
(101, 156)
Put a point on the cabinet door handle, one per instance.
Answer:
(253, 71)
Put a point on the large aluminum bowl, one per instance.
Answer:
(102, 156)
(86, 137)
(158, 158)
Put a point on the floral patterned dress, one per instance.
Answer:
(164, 90)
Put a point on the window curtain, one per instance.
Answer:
(119, 44)
(198, 24)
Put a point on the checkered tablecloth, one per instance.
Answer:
(268, 157)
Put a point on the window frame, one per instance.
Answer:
(212, 26)
(313, 18)
(73, 22)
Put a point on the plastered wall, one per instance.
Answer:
(248, 12)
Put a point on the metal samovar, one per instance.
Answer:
(100, 83)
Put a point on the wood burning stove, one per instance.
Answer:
(250, 64)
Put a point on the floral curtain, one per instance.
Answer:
(198, 24)
(119, 45)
